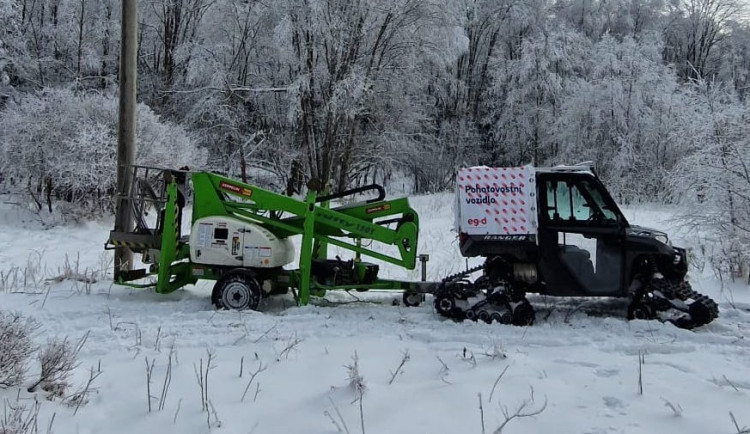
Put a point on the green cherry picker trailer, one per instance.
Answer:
(240, 238)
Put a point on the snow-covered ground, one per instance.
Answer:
(287, 369)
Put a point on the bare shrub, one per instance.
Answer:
(71, 270)
(357, 383)
(81, 397)
(743, 430)
(201, 375)
(291, 345)
(16, 346)
(17, 418)
(254, 374)
(57, 360)
(404, 358)
(24, 278)
(676, 408)
(523, 410)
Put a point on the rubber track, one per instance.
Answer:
(679, 290)
(683, 291)
(465, 273)
(527, 311)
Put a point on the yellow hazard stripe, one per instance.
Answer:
(130, 244)
(176, 227)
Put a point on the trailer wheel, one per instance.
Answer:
(412, 299)
(237, 291)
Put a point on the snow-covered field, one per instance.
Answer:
(288, 369)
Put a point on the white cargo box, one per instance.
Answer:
(496, 201)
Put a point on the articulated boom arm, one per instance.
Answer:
(218, 195)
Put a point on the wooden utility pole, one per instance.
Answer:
(126, 128)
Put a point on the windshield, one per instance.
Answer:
(599, 202)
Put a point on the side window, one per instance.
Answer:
(558, 201)
(551, 205)
(581, 210)
(565, 202)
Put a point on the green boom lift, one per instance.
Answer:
(240, 237)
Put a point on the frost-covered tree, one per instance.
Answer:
(70, 156)
(694, 30)
(713, 180)
(528, 92)
(619, 18)
(466, 86)
(11, 48)
(353, 91)
(343, 59)
(53, 42)
(735, 55)
(227, 110)
(620, 115)
(168, 35)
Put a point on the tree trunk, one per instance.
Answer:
(48, 192)
(105, 49)
(79, 50)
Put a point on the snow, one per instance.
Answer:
(581, 358)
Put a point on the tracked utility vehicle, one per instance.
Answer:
(558, 232)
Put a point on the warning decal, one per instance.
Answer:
(497, 201)
(235, 189)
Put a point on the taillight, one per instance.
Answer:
(462, 237)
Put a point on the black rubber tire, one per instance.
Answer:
(700, 314)
(214, 298)
(640, 310)
(501, 318)
(445, 304)
(412, 299)
(237, 291)
(484, 316)
(523, 314)
(482, 282)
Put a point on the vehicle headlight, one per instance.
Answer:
(664, 239)
(680, 255)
